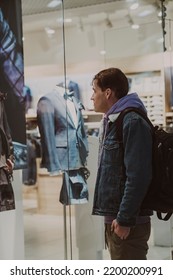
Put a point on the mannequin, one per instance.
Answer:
(72, 87)
(64, 142)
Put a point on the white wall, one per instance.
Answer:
(12, 228)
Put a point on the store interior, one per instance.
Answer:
(71, 41)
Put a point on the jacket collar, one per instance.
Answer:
(112, 117)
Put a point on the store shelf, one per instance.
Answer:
(93, 125)
(92, 119)
(149, 85)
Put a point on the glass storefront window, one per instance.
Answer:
(70, 43)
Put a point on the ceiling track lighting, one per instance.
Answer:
(134, 6)
(108, 22)
(163, 17)
(132, 24)
(80, 25)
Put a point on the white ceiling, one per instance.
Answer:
(89, 26)
(36, 14)
(40, 6)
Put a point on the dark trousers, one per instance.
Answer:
(135, 247)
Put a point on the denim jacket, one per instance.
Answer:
(124, 171)
(64, 146)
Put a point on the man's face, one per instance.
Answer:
(99, 98)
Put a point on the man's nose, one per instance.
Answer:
(92, 97)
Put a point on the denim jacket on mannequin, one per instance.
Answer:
(64, 146)
(116, 193)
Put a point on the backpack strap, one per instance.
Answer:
(119, 120)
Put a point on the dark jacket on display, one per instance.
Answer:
(119, 193)
(6, 151)
(11, 60)
(64, 144)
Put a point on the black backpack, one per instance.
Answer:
(159, 197)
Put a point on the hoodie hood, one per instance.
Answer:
(130, 100)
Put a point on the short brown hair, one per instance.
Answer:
(114, 79)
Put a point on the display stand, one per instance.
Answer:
(89, 228)
(48, 191)
(12, 229)
(65, 232)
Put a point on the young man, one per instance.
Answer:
(124, 169)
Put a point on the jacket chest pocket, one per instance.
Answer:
(60, 143)
(111, 151)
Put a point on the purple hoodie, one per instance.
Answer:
(130, 100)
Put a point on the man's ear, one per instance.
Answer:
(108, 93)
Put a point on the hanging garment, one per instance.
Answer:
(74, 187)
(7, 200)
(30, 173)
(72, 87)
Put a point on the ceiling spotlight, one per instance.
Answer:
(49, 31)
(160, 40)
(132, 24)
(135, 26)
(134, 6)
(68, 20)
(145, 13)
(102, 52)
(54, 3)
